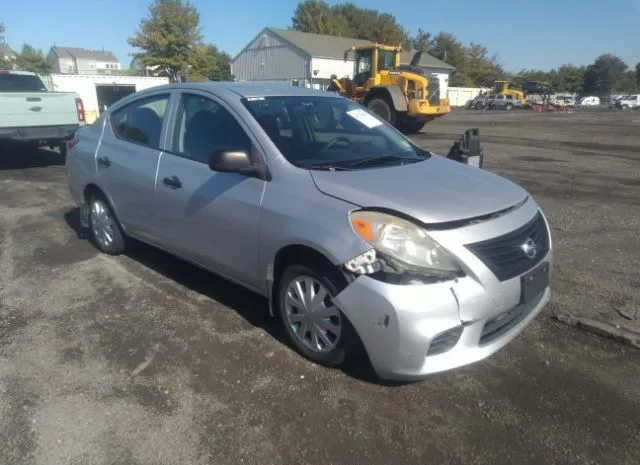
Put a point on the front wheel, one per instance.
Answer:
(315, 325)
(411, 127)
(509, 107)
(383, 109)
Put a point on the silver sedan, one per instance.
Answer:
(358, 237)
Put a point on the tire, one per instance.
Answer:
(411, 126)
(625, 107)
(480, 106)
(340, 339)
(383, 109)
(508, 107)
(105, 231)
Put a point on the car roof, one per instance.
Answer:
(247, 89)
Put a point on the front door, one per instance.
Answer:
(127, 160)
(209, 217)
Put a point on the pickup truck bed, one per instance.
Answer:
(29, 113)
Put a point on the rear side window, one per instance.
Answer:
(141, 121)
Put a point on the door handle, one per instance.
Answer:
(172, 183)
(104, 161)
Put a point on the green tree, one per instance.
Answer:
(625, 83)
(479, 68)
(31, 59)
(4, 63)
(316, 16)
(603, 74)
(169, 38)
(422, 41)
(568, 78)
(222, 71)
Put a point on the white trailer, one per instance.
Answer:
(101, 90)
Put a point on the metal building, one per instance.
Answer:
(284, 56)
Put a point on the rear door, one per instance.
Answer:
(209, 217)
(127, 160)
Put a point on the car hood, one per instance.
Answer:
(436, 190)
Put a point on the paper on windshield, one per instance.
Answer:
(364, 118)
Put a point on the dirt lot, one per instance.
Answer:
(144, 359)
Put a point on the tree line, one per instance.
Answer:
(169, 43)
(474, 65)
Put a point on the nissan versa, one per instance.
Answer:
(358, 237)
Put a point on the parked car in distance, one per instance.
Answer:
(29, 114)
(357, 237)
(563, 101)
(502, 102)
(589, 101)
(628, 102)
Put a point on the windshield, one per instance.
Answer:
(386, 60)
(331, 133)
(10, 82)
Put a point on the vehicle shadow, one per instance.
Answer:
(250, 306)
(14, 157)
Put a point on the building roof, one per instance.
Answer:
(326, 46)
(84, 54)
(6, 51)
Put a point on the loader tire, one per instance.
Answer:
(411, 127)
(383, 109)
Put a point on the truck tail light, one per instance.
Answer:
(80, 110)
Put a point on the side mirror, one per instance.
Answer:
(236, 161)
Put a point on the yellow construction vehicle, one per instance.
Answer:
(505, 88)
(403, 95)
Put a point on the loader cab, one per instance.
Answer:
(370, 61)
(500, 87)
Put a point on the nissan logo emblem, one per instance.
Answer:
(529, 248)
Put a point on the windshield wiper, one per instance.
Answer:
(380, 160)
(326, 167)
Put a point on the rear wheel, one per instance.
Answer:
(105, 229)
(508, 107)
(315, 325)
(480, 106)
(383, 109)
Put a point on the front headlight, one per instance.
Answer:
(407, 245)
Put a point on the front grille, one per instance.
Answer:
(444, 342)
(505, 255)
(495, 328)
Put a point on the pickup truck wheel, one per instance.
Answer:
(106, 233)
(508, 107)
(383, 109)
(315, 326)
(480, 106)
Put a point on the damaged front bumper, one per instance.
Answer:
(412, 331)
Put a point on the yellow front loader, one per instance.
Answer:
(403, 95)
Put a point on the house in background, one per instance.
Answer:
(292, 57)
(73, 60)
(6, 53)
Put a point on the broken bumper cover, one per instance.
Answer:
(412, 331)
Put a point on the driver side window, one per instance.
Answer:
(202, 126)
(364, 62)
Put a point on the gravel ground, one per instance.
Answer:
(143, 359)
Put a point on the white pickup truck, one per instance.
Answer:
(31, 115)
